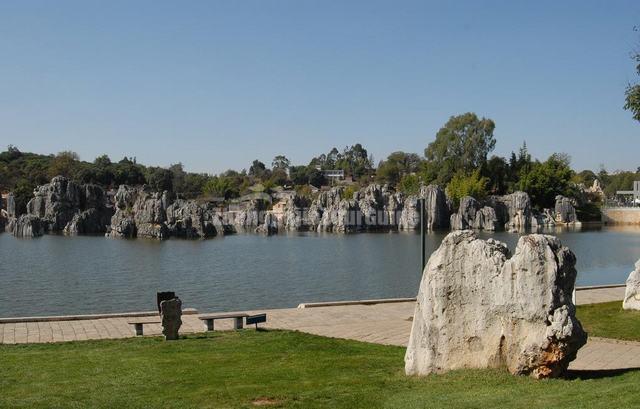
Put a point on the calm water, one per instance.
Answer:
(76, 275)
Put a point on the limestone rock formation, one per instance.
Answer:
(378, 206)
(437, 210)
(64, 206)
(485, 219)
(3, 215)
(189, 219)
(478, 308)
(171, 314)
(11, 206)
(91, 221)
(27, 225)
(331, 213)
(140, 213)
(249, 218)
(56, 203)
(295, 217)
(565, 211)
(513, 211)
(471, 215)
(269, 226)
(632, 292)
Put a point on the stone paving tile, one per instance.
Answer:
(599, 295)
(388, 324)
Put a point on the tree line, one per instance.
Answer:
(457, 159)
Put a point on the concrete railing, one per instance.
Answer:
(186, 311)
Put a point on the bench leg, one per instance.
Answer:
(238, 324)
(209, 324)
(138, 329)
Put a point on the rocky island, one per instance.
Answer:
(63, 206)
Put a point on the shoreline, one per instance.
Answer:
(600, 293)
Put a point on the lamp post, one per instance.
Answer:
(423, 261)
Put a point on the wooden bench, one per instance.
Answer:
(139, 324)
(209, 319)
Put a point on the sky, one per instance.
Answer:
(217, 84)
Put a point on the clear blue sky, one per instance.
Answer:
(217, 84)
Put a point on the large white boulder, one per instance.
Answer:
(632, 292)
(478, 308)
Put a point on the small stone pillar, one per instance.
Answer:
(171, 313)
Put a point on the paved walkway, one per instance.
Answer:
(388, 323)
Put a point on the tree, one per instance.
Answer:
(257, 169)
(220, 186)
(397, 165)
(496, 170)
(548, 179)
(278, 177)
(280, 162)
(461, 185)
(102, 161)
(160, 179)
(65, 164)
(409, 184)
(127, 172)
(632, 93)
(178, 179)
(462, 144)
(303, 175)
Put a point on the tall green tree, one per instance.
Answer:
(65, 163)
(257, 169)
(461, 185)
(397, 165)
(632, 94)
(280, 162)
(548, 179)
(462, 144)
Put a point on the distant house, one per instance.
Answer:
(279, 208)
(282, 194)
(333, 174)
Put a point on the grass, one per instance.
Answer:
(609, 320)
(274, 369)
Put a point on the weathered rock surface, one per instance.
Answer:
(3, 215)
(269, 226)
(513, 211)
(632, 292)
(139, 213)
(437, 209)
(26, 225)
(478, 308)
(11, 206)
(55, 203)
(565, 210)
(295, 217)
(189, 219)
(485, 219)
(89, 221)
(250, 218)
(329, 212)
(379, 207)
(171, 314)
(471, 215)
(64, 206)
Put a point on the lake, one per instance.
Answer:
(55, 275)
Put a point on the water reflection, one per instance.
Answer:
(72, 275)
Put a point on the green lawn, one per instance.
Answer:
(609, 320)
(279, 368)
